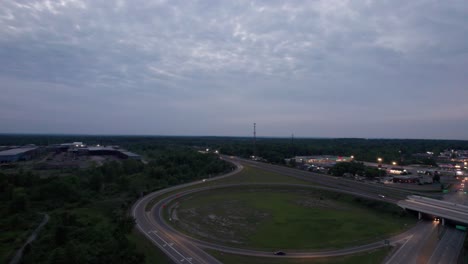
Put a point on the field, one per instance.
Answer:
(284, 218)
(247, 175)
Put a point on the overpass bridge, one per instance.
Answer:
(437, 208)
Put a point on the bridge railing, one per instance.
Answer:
(452, 205)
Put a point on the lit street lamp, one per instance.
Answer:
(380, 165)
(394, 163)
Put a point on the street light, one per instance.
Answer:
(380, 165)
(394, 163)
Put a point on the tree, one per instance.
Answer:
(436, 177)
(20, 201)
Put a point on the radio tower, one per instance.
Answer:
(255, 140)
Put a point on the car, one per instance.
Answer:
(381, 196)
(280, 253)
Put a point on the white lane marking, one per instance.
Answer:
(396, 253)
(170, 245)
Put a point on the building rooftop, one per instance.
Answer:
(130, 154)
(101, 148)
(15, 151)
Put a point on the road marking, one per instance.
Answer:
(402, 246)
(170, 245)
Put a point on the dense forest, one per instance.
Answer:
(89, 220)
(272, 149)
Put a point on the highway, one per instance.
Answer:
(184, 249)
(447, 212)
(176, 247)
(393, 194)
(410, 250)
(448, 248)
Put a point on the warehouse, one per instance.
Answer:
(17, 154)
(123, 154)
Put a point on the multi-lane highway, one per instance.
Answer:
(183, 249)
(443, 209)
(175, 246)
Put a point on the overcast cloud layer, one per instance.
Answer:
(386, 69)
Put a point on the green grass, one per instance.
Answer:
(276, 219)
(247, 175)
(253, 175)
(145, 247)
(376, 256)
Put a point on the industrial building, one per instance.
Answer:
(406, 179)
(320, 160)
(17, 154)
(79, 148)
(123, 154)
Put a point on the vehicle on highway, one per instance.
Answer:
(381, 196)
(436, 219)
(280, 253)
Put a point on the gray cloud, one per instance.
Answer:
(322, 68)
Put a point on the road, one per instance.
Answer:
(445, 251)
(457, 213)
(448, 247)
(176, 247)
(183, 249)
(157, 214)
(393, 194)
(410, 250)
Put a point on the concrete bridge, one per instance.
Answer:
(442, 209)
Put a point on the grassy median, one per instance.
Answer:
(273, 218)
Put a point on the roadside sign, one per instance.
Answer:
(445, 191)
(459, 227)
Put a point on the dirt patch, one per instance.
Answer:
(320, 203)
(232, 225)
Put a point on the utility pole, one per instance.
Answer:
(293, 150)
(255, 140)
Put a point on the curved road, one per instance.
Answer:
(183, 249)
(157, 214)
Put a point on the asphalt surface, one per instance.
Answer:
(176, 247)
(452, 212)
(183, 249)
(448, 248)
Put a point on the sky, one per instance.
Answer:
(369, 69)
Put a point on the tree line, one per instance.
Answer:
(89, 220)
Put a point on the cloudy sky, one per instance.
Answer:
(385, 69)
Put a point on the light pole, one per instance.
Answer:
(380, 166)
